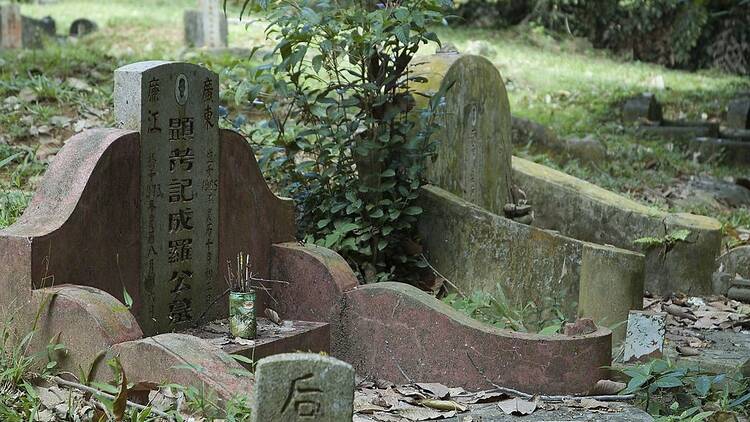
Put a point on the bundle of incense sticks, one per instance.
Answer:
(240, 280)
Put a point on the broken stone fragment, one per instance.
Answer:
(645, 335)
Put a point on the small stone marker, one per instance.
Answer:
(11, 26)
(173, 106)
(303, 387)
(738, 113)
(206, 27)
(645, 335)
(642, 107)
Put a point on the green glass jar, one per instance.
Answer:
(242, 322)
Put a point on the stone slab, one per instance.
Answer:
(584, 211)
(680, 132)
(474, 146)
(729, 353)
(478, 250)
(491, 412)
(397, 332)
(301, 387)
(181, 359)
(645, 337)
(272, 339)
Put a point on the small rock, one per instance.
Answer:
(78, 84)
(580, 327)
(27, 95)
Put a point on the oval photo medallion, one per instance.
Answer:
(181, 89)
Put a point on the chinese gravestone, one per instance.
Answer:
(11, 26)
(207, 26)
(173, 106)
(474, 148)
(303, 387)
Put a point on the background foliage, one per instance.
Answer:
(677, 33)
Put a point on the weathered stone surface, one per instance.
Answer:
(180, 359)
(491, 412)
(478, 250)
(207, 26)
(193, 28)
(642, 107)
(173, 106)
(252, 218)
(735, 261)
(738, 113)
(397, 332)
(584, 211)
(645, 337)
(214, 24)
(271, 339)
(729, 353)
(315, 280)
(473, 152)
(81, 27)
(88, 198)
(11, 26)
(302, 386)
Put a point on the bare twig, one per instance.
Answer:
(450, 283)
(95, 391)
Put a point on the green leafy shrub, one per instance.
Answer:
(342, 136)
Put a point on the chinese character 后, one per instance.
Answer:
(208, 116)
(180, 310)
(181, 281)
(182, 158)
(180, 250)
(181, 129)
(153, 90)
(208, 89)
(304, 400)
(180, 190)
(155, 122)
(181, 220)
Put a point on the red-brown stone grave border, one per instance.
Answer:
(77, 245)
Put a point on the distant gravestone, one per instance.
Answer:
(303, 387)
(474, 145)
(207, 26)
(81, 27)
(11, 26)
(738, 113)
(643, 107)
(173, 106)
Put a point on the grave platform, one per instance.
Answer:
(272, 339)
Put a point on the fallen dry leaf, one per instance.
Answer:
(442, 405)
(607, 387)
(517, 406)
(436, 389)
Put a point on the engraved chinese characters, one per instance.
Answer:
(173, 106)
(303, 387)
